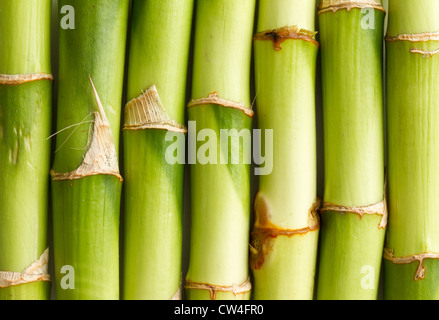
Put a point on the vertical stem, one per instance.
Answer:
(220, 190)
(411, 267)
(285, 235)
(86, 182)
(354, 211)
(25, 117)
(159, 52)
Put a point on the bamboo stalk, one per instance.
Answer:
(86, 182)
(25, 117)
(412, 247)
(159, 52)
(285, 235)
(220, 193)
(354, 211)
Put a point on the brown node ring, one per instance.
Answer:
(278, 36)
(213, 289)
(379, 208)
(336, 5)
(214, 98)
(416, 37)
(421, 270)
(17, 79)
(424, 53)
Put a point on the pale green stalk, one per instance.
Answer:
(352, 237)
(413, 152)
(25, 117)
(285, 235)
(86, 207)
(220, 193)
(159, 52)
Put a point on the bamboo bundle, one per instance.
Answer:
(285, 234)
(86, 181)
(354, 213)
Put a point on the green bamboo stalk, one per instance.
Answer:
(86, 205)
(220, 193)
(25, 117)
(159, 52)
(285, 234)
(353, 213)
(411, 269)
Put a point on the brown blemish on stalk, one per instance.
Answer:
(265, 232)
(278, 36)
(213, 289)
(421, 270)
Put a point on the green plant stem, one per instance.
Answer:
(413, 151)
(25, 117)
(86, 209)
(285, 248)
(220, 193)
(159, 52)
(351, 243)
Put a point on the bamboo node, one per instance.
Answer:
(421, 270)
(101, 156)
(37, 271)
(278, 36)
(213, 289)
(147, 112)
(214, 98)
(415, 37)
(264, 232)
(17, 79)
(424, 53)
(379, 208)
(336, 5)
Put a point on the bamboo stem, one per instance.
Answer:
(159, 52)
(25, 117)
(220, 193)
(285, 235)
(86, 182)
(411, 256)
(353, 213)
